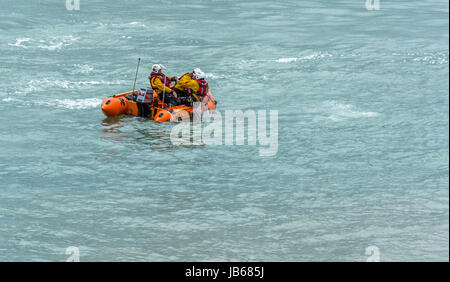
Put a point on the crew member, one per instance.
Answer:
(192, 84)
(161, 84)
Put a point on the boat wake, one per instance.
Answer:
(70, 104)
(77, 104)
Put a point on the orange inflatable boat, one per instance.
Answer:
(128, 103)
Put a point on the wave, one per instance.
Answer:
(47, 84)
(131, 24)
(304, 58)
(84, 69)
(78, 104)
(19, 42)
(432, 59)
(341, 111)
(287, 60)
(52, 47)
(51, 44)
(72, 104)
(214, 76)
(10, 99)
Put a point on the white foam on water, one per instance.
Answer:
(131, 24)
(213, 76)
(72, 104)
(52, 44)
(35, 85)
(78, 104)
(95, 82)
(304, 58)
(31, 87)
(287, 60)
(58, 43)
(82, 68)
(19, 42)
(433, 59)
(341, 111)
(51, 47)
(137, 23)
(10, 99)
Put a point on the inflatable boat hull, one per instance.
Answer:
(121, 104)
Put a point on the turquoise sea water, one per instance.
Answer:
(363, 132)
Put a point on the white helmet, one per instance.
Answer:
(156, 68)
(199, 74)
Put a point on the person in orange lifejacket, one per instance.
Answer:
(161, 84)
(192, 84)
